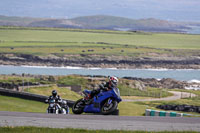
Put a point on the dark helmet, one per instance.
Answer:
(54, 93)
(113, 81)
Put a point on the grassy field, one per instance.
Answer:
(17, 79)
(69, 130)
(65, 93)
(46, 41)
(21, 105)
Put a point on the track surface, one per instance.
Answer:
(100, 122)
(176, 95)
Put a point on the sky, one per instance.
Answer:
(175, 10)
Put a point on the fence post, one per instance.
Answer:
(161, 94)
(181, 94)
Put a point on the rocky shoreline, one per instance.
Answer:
(165, 83)
(100, 61)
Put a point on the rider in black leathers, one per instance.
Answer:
(56, 98)
(106, 86)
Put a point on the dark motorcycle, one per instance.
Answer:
(55, 108)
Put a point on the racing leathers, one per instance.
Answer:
(102, 87)
(57, 100)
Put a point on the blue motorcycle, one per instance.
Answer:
(105, 102)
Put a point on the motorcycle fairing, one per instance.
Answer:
(95, 107)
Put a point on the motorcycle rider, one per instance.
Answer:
(106, 86)
(65, 106)
(57, 99)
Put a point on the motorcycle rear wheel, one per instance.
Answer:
(108, 109)
(77, 109)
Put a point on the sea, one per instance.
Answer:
(189, 75)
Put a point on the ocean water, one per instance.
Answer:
(189, 75)
(194, 30)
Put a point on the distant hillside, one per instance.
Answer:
(17, 21)
(98, 22)
(111, 22)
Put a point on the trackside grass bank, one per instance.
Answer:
(21, 105)
(69, 130)
(63, 92)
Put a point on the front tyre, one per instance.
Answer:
(107, 109)
(78, 107)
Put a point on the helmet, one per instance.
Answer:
(64, 102)
(54, 93)
(113, 81)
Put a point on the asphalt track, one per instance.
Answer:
(94, 122)
(176, 95)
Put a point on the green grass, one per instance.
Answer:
(197, 92)
(190, 101)
(21, 105)
(18, 79)
(152, 40)
(127, 88)
(138, 108)
(73, 80)
(149, 92)
(14, 79)
(65, 93)
(44, 41)
(131, 109)
(70, 130)
(187, 101)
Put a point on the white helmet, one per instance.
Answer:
(113, 81)
(64, 102)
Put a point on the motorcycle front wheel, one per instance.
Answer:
(78, 107)
(107, 109)
(50, 111)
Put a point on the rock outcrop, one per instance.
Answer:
(99, 61)
(163, 83)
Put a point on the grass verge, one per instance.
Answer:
(69, 130)
(21, 105)
(64, 93)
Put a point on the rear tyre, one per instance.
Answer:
(107, 109)
(78, 107)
